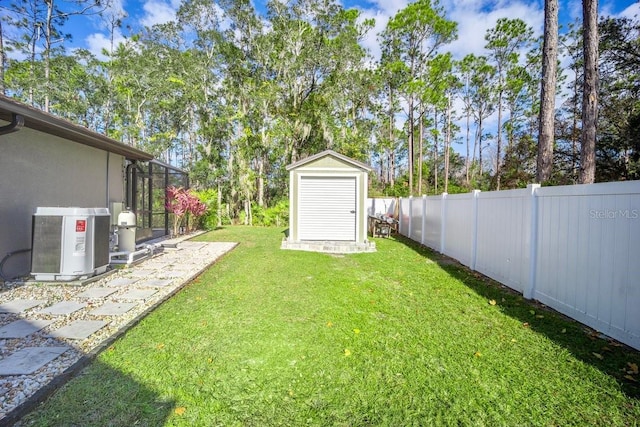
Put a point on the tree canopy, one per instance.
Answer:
(233, 95)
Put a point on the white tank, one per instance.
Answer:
(127, 231)
(127, 218)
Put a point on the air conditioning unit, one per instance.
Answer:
(69, 243)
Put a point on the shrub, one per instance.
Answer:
(208, 221)
(183, 204)
(277, 215)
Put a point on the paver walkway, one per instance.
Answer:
(46, 330)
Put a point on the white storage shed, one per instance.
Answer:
(327, 204)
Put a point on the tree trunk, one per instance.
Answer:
(2, 61)
(219, 222)
(435, 151)
(467, 160)
(411, 146)
(499, 141)
(479, 139)
(32, 66)
(113, 24)
(47, 55)
(447, 144)
(391, 171)
(392, 168)
(420, 153)
(261, 181)
(248, 219)
(590, 91)
(575, 136)
(548, 92)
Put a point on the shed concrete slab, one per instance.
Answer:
(22, 328)
(112, 308)
(28, 360)
(97, 293)
(20, 305)
(79, 330)
(63, 308)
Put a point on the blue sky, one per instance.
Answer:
(474, 17)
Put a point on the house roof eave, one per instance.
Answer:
(50, 124)
(332, 153)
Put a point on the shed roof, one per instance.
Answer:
(50, 124)
(331, 153)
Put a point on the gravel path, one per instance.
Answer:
(129, 293)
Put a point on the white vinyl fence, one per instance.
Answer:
(386, 206)
(574, 248)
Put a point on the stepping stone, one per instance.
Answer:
(97, 293)
(155, 268)
(28, 360)
(121, 281)
(142, 273)
(79, 330)
(156, 283)
(63, 307)
(185, 266)
(22, 328)
(138, 294)
(112, 308)
(170, 274)
(192, 245)
(19, 305)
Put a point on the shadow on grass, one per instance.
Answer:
(97, 396)
(87, 393)
(601, 352)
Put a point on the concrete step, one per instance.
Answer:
(335, 247)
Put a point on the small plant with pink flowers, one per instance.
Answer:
(184, 204)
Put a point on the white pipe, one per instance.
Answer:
(146, 250)
(130, 256)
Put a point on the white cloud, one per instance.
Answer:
(106, 22)
(159, 12)
(574, 8)
(99, 42)
(390, 7)
(116, 8)
(381, 13)
(474, 19)
(370, 40)
(633, 11)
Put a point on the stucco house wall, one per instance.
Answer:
(39, 168)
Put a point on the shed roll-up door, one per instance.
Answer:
(327, 208)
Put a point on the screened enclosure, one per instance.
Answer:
(146, 196)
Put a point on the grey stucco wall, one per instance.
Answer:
(37, 169)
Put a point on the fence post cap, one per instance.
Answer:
(531, 188)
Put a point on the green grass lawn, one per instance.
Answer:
(400, 337)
